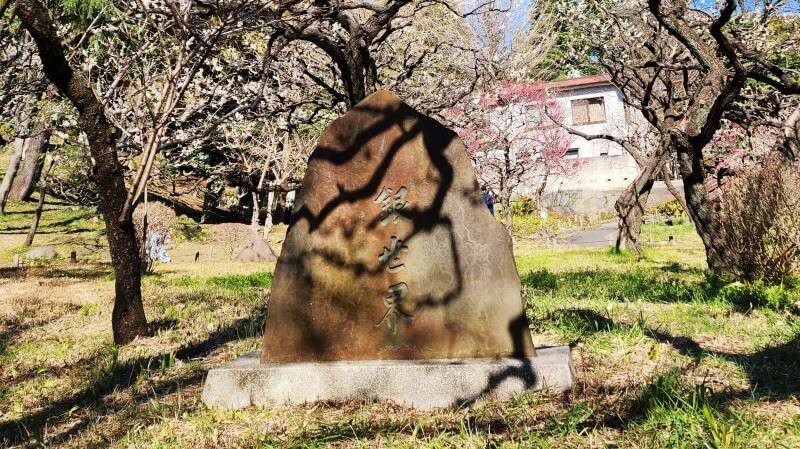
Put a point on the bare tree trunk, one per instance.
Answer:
(36, 217)
(631, 203)
(254, 216)
(700, 207)
(787, 146)
(268, 218)
(631, 217)
(674, 190)
(206, 207)
(144, 254)
(128, 319)
(280, 207)
(27, 178)
(209, 200)
(357, 74)
(11, 172)
(38, 213)
(540, 193)
(505, 201)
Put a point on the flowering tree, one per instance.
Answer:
(22, 86)
(512, 141)
(689, 67)
(170, 72)
(266, 158)
(127, 73)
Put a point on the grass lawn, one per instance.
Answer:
(667, 356)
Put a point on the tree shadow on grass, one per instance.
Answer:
(51, 227)
(119, 375)
(94, 271)
(773, 372)
(164, 324)
(14, 329)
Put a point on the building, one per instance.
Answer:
(593, 105)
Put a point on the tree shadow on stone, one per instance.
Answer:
(424, 219)
(522, 372)
(328, 214)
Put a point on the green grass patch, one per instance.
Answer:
(678, 414)
(666, 355)
(238, 282)
(603, 275)
(680, 228)
(56, 218)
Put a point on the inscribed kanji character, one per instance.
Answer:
(392, 204)
(391, 255)
(393, 300)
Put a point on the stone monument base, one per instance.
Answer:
(424, 384)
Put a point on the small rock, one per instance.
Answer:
(257, 251)
(41, 252)
(87, 249)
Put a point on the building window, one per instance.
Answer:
(571, 153)
(587, 111)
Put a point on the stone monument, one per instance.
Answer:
(394, 282)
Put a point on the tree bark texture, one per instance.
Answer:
(36, 217)
(27, 178)
(254, 213)
(630, 210)
(11, 172)
(674, 190)
(787, 146)
(268, 219)
(505, 201)
(280, 208)
(206, 207)
(699, 205)
(128, 318)
(631, 203)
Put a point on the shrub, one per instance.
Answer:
(159, 215)
(527, 225)
(759, 216)
(525, 206)
(670, 208)
(187, 230)
(756, 295)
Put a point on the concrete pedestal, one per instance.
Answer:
(423, 384)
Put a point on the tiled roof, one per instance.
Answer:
(489, 100)
(572, 83)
